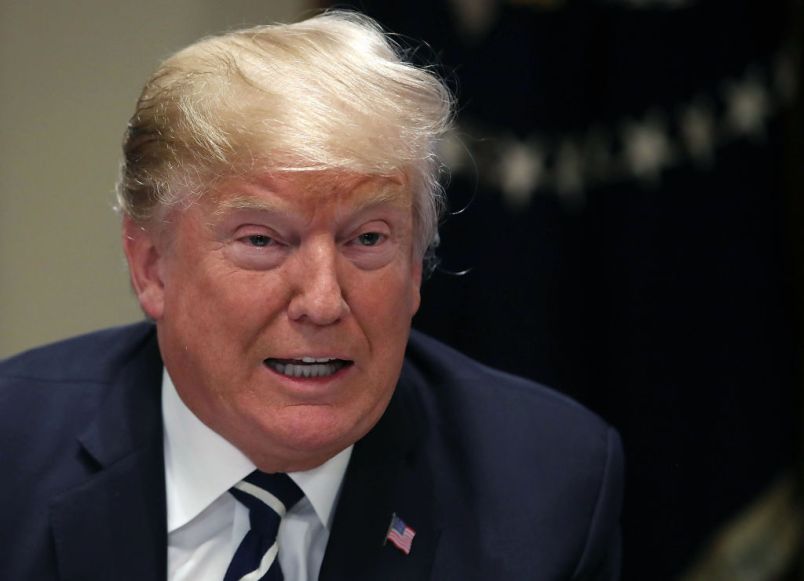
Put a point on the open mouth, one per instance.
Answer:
(307, 366)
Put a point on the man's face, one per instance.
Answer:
(283, 307)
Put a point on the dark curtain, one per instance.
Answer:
(619, 201)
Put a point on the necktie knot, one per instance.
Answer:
(268, 497)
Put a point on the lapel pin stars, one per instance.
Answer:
(400, 534)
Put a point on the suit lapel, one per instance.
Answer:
(113, 526)
(384, 478)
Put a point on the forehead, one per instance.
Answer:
(302, 191)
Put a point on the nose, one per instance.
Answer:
(318, 294)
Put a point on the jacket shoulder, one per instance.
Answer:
(93, 357)
(475, 388)
(50, 393)
(67, 410)
(536, 476)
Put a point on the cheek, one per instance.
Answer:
(384, 313)
(392, 292)
(390, 302)
(221, 309)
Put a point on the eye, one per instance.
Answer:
(256, 250)
(369, 239)
(259, 240)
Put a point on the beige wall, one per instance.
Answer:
(69, 75)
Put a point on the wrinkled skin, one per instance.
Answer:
(264, 272)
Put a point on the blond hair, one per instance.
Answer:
(329, 93)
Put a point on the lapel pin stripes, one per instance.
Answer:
(400, 534)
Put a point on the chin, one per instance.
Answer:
(313, 434)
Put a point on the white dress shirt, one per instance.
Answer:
(205, 522)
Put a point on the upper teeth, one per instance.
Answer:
(309, 367)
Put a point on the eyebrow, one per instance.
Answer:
(377, 197)
(244, 202)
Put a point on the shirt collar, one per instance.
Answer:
(200, 466)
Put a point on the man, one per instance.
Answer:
(279, 199)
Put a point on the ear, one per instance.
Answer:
(144, 265)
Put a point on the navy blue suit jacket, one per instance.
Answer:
(501, 479)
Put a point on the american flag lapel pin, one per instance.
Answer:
(400, 534)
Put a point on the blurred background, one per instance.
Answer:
(626, 185)
(70, 74)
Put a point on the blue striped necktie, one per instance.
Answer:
(268, 497)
